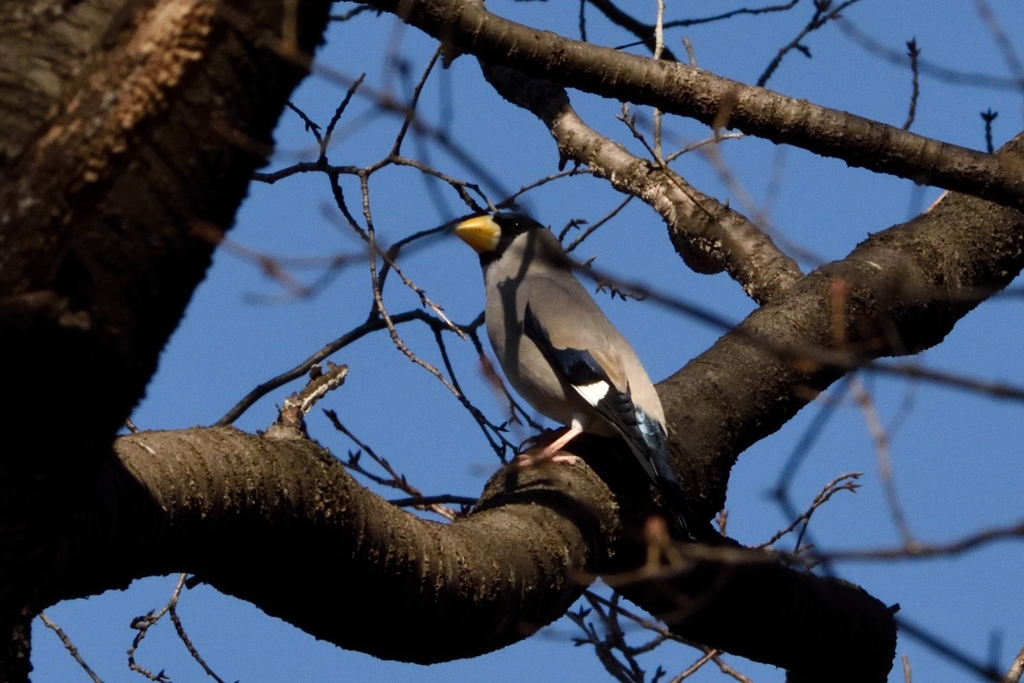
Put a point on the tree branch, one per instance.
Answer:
(905, 289)
(709, 236)
(153, 116)
(280, 523)
(719, 102)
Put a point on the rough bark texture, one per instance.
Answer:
(281, 523)
(741, 601)
(130, 132)
(905, 288)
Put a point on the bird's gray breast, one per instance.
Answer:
(524, 365)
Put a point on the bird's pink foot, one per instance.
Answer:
(524, 461)
(552, 452)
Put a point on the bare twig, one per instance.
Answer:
(964, 659)
(913, 52)
(1002, 41)
(900, 58)
(691, 56)
(290, 423)
(615, 607)
(394, 479)
(329, 132)
(734, 13)
(922, 550)
(881, 440)
(597, 224)
(645, 32)
(509, 201)
(823, 13)
(302, 368)
(411, 108)
(69, 646)
(143, 624)
(988, 117)
(183, 636)
(659, 48)
(351, 13)
(844, 482)
(693, 668)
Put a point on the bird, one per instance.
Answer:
(560, 352)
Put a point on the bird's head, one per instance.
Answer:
(489, 235)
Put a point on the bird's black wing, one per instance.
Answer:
(644, 436)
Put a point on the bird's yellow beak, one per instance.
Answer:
(479, 232)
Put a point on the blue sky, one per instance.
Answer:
(956, 456)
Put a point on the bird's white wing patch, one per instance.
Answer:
(593, 393)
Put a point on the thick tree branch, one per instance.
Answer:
(900, 291)
(709, 236)
(280, 523)
(772, 614)
(721, 103)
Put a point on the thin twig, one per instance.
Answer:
(659, 48)
(509, 201)
(951, 652)
(394, 480)
(644, 32)
(351, 13)
(598, 223)
(180, 630)
(303, 368)
(927, 550)
(694, 668)
(691, 56)
(143, 624)
(411, 108)
(913, 52)
(310, 126)
(329, 132)
(733, 13)
(881, 440)
(69, 646)
(899, 58)
(844, 482)
(1002, 41)
(988, 117)
(822, 16)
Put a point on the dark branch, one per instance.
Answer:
(718, 102)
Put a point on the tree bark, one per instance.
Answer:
(675, 88)
(899, 292)
(281, 524)
(130, 131)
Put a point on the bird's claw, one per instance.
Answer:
(523, 462)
